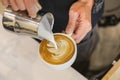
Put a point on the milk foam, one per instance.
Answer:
(62, 47)
(62, 54)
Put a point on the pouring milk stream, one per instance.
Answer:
(44, 31)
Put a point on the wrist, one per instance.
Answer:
(89, 3)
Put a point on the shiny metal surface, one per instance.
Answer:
(20, 23)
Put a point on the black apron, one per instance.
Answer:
(60, 10)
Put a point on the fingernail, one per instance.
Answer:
(69, 31)
(22, 8)
(38, 5)
(70, 34)
(15, 9)
(33, 16)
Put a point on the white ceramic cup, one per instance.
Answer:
(66, 64)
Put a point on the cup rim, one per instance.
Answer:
(74, 55)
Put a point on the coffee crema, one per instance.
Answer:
(62, 54)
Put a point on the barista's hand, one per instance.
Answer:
(79, 20)
(28, 5)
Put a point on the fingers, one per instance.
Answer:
(5, 2)
(20, 4)
(13, 5)
(37, 4)
(81, 31)
(30, 8)
(78, 35)
(72, 22)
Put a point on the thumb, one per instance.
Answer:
(72, 22)
(37, 5)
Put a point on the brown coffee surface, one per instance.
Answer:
(62, 54)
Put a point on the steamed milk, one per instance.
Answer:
(45, 32)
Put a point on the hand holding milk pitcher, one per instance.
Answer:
(32, 6)
(19, 22)
(57, 50)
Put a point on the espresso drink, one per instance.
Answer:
(64, 52)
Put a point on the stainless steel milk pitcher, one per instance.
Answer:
(19, 22)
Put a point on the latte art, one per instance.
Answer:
(62, 54)
(60, 51)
